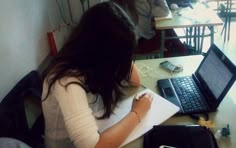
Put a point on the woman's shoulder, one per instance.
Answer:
(68, 80)
(68, 87)
(65, 85)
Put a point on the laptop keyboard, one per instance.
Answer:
(189, 94)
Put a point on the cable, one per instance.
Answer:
(70, 13)
(64, 20)
(178, 69)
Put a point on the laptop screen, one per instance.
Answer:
(215, 73)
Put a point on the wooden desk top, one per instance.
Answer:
(150, 72)
(187, 17)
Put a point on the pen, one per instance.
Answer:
(137, 98)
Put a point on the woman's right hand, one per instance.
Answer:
(141, 104)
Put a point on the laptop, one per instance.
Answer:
(204, 90)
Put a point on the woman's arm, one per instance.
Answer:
(114, 136)
(81, 124)
(77, 115)
(134, 77)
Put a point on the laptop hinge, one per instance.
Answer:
(206, 93)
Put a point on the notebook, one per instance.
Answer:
(208, 84)
(160, 110)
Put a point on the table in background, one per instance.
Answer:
(150, 72)
(200, 16)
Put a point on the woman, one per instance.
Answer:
(143, 12)
(87, 75)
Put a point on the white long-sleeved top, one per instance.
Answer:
(69, 121)
(147, 9)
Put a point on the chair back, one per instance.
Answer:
(13, 116)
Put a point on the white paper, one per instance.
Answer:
(160, 110)
(169, 16)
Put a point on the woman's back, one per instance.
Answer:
(56, 133)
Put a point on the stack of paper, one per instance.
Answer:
(160, 111)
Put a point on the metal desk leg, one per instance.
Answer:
(187, 35)
(198, 40)
(211, 28)
(162, 43)
(195, 38)
(229, 17)
(202, 38)
(191, 34)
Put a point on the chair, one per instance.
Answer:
(151, 48)
(13, 112)
(147, 49)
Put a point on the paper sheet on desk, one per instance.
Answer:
(160, 111)
(197, 14)
(169, 16)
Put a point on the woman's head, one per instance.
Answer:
(99, 50)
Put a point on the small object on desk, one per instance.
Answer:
(224, 132)
(170, 67)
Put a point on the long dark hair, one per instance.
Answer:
(99, 51)
(129, 5)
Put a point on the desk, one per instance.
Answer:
(224, 115)
(200, 16)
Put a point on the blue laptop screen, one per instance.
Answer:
(215, 73)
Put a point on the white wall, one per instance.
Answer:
(23, 40)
